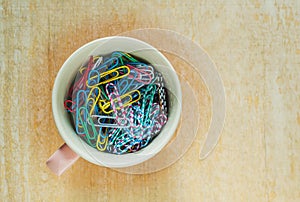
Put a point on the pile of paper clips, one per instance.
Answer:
(118, 103)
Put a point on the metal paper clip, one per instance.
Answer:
(112, 122)
(109, 64)
(127, 99)
(98, 59)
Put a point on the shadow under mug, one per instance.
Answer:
(74, 147)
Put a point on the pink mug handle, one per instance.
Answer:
(62, 159)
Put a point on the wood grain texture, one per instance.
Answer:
(256, 47)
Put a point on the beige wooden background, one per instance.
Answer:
(256, 47)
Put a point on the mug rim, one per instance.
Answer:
(59, 119)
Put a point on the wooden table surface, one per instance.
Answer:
(256, 48)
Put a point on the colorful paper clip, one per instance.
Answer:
(118, 103)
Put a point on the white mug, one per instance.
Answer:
(74, 146)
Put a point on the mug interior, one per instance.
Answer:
(105, 46)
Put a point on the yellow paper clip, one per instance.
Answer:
(101, 145)
(92, 99)
(115, 77)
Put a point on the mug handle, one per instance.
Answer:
(62, 159)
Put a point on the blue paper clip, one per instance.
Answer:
(127, 84)
(93, 78)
